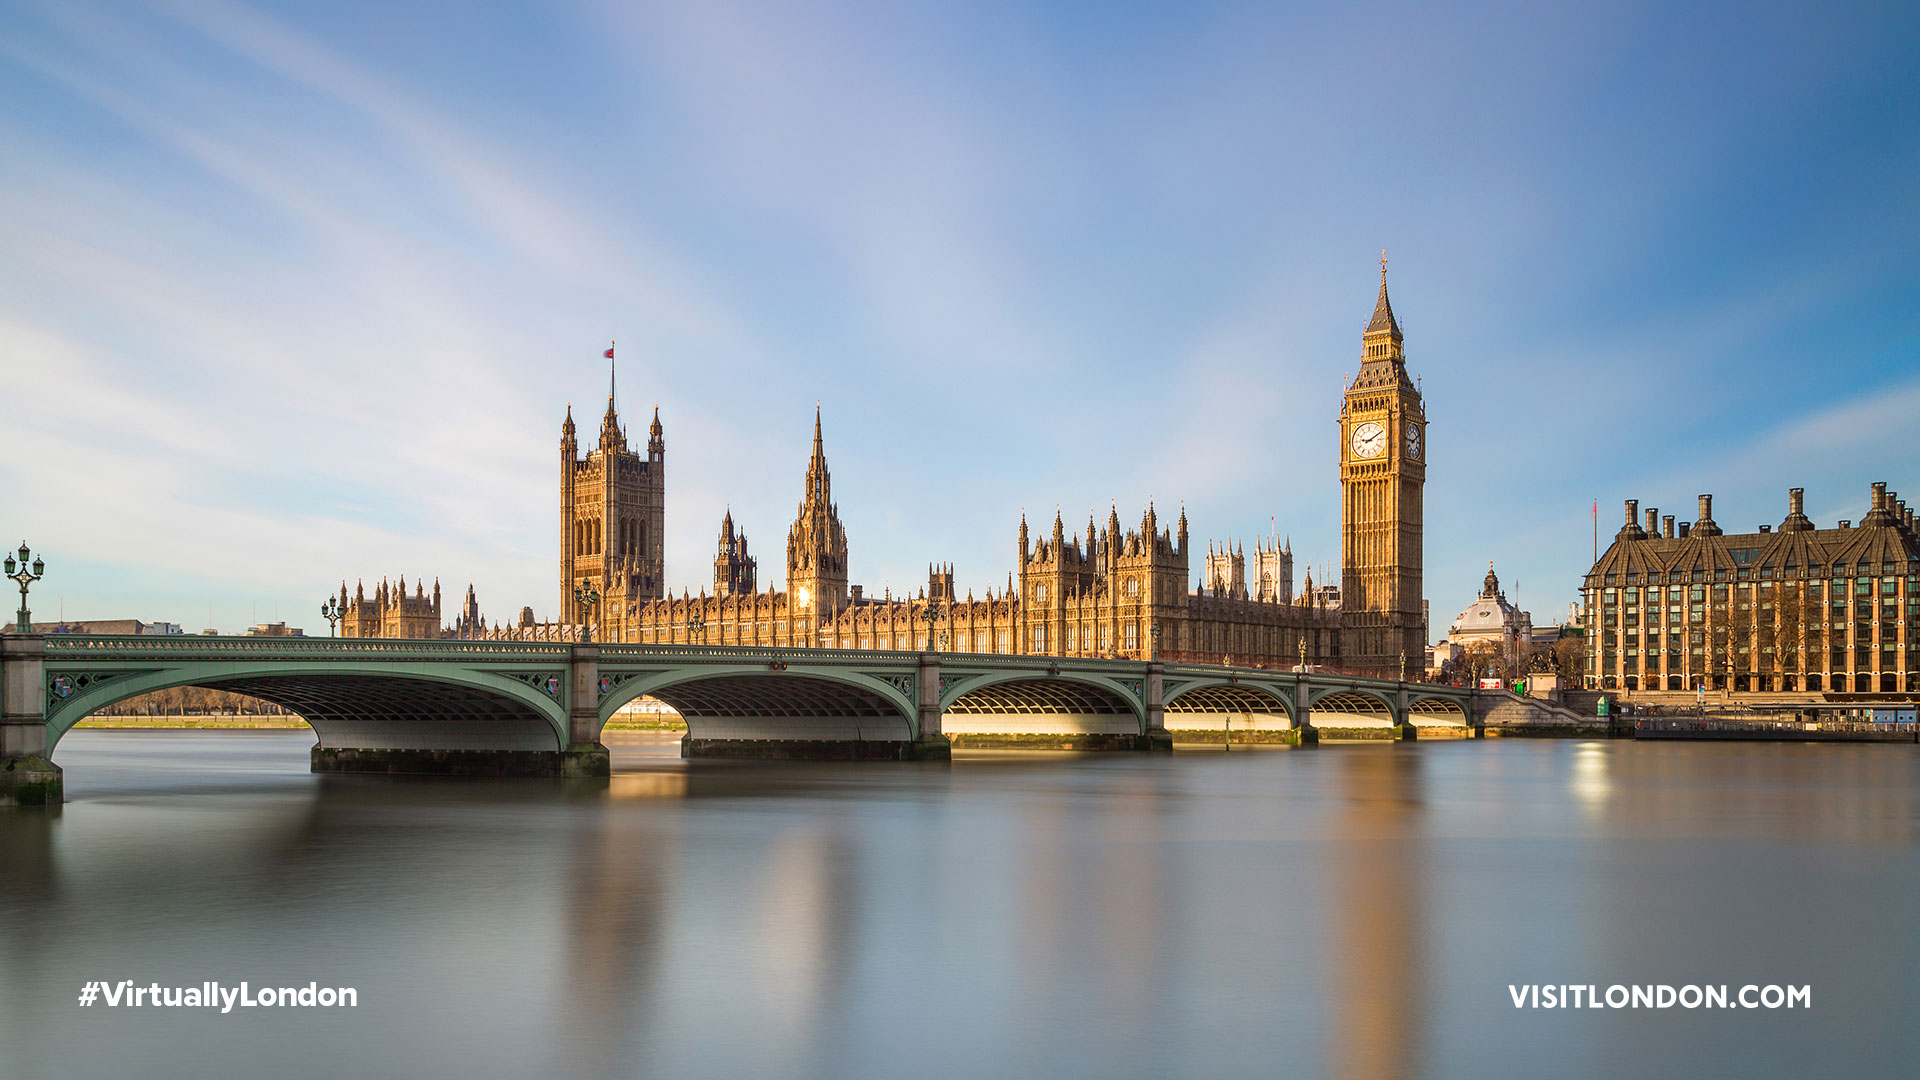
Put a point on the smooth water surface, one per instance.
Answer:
(1353, 911)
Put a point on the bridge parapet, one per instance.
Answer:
(198, 647)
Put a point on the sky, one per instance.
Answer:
(292, 293)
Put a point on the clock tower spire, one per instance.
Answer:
(1383, 471)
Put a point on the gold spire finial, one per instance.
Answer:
(1383, 262)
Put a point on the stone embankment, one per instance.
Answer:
(1508, 714)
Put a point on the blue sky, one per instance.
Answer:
(296, 292)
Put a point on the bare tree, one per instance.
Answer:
(1570, 659)
(192, 701)
(1484, 660)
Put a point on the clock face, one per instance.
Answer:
(803, 595)
(1413, 440)
(1369, 440)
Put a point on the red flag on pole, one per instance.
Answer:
(609, 353)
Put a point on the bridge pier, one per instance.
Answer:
(584, 757)
(932, 743)
(1403, 728)
(1305, 734)
(1157, 738)
(28, 777)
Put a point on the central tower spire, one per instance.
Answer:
(819, 480)
(817, 544)
(610, 433)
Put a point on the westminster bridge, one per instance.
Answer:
(538, 708)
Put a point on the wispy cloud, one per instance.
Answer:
(294, 311)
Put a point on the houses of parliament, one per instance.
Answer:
(1119, 590)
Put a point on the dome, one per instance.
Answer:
(1490, 617)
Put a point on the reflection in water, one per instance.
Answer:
(1379, 913)
(1590, 782)
(1353, 911)
(648, 785)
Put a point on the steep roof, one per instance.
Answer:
(1383, 308)
(1883, 543)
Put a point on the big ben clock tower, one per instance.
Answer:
(1383, 469)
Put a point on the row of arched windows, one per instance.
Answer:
(588, 538)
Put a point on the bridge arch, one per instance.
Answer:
(1218, 704)
(1436, 711)
(1073, 703)
(366, 705)
(761, 702)
(1352, 707)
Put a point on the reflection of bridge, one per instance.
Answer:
(537, 708)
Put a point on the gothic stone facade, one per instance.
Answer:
(1792, 608)
(1114, 592)
(390, 612)
(1117, 593)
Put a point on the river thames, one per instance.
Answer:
(1353, 910)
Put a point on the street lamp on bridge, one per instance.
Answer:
(333, 613)
(932, 614)
(697, 624)
(588, 597)
(25, 575)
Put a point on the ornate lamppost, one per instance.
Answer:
(932, 614)
(588, 597)
(333, 613)
(26, 575)
(697, 624)
(1153, 637)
